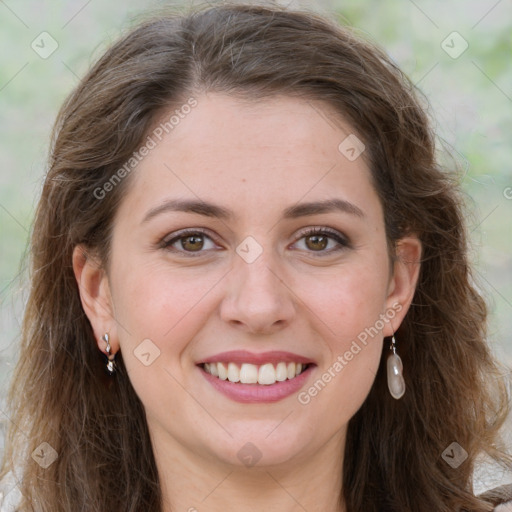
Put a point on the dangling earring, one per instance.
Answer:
(111, 364)
(396, 383)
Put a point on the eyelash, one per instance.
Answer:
(343, 242)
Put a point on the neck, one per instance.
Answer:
(193, 482)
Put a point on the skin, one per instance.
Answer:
(255, 159)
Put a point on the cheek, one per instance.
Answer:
(350, 325)
(157, 303)
(348, 301)
(168, 309)
(349, 307)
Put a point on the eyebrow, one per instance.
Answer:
(219, 212)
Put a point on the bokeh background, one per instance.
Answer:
(459, 53)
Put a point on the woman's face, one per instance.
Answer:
(245, 289)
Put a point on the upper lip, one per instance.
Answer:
(243, 356)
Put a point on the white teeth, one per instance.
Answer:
(214, 370)
(267, 374)
(281, 373)
(221, 370)
(247, 373)
(233, 372)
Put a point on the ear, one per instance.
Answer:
(95, 296)
(402, 285)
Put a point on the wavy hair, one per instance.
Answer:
(60, 393)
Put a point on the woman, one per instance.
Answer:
(250, 287)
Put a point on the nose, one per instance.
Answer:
(258, 299)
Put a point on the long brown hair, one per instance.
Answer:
(60, 394)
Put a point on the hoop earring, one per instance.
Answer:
(111, 364)
(396, 383)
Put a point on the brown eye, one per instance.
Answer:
(188, 243)
(323, 241)
(316, 242)
(192, 243)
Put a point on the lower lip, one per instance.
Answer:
(258, 393)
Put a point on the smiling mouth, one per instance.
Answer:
(246, 373)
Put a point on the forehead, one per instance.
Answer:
(283, 126)
(252, 153)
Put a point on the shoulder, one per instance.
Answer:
(10, 495)
(500, 496)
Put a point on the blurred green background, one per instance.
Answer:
(459, 53)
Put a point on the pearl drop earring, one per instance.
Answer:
(396, 383)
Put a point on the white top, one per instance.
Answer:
(10, 495)
(504, 507)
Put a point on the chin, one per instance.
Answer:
(260, 447)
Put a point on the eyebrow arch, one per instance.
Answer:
(292, 212)
(328, 206)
